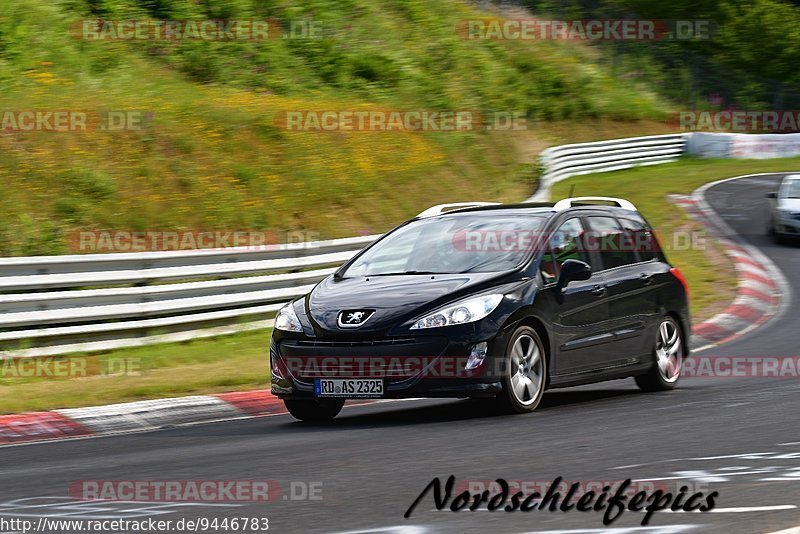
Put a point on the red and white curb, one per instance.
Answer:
(762, 291)
(136, 416)
(141, 416)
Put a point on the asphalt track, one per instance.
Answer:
(737, 436)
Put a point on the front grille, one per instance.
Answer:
(368, 343)
(392, 358)
(371, 369)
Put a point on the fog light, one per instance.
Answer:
(275, 375)
(274, 367)
(476, 356)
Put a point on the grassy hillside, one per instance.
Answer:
(212, 158)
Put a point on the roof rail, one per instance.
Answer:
(567, 203)
(442, 208)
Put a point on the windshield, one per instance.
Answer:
(458, 243)
(790, 189)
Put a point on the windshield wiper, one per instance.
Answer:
(405, 272)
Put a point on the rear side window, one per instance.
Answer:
(566, 243)
(643, 240)
(612, 243)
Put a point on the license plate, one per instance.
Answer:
(348, 387)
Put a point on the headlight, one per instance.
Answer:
(465, 311)
(287, 319)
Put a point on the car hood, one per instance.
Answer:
(394, 299)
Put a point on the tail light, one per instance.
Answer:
(681, 279)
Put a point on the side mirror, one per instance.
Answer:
(772, 195)
(573, 270)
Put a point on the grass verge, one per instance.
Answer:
(234, 362)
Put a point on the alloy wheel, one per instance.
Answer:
(668, 350)
(527, 376)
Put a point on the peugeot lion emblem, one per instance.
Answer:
(354, 318)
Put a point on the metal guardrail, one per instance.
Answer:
(59, 304)
(561, 162)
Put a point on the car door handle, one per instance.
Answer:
(646, 279)
(599, 290)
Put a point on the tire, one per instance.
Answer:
(668, 353)
(317, 410)
(524, 372)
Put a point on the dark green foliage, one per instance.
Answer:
(749, 61)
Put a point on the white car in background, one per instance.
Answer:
(785, 208)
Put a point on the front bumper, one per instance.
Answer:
(423, 366)
(787, 224)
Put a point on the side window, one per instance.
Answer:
(612, 243)
(643, 240)
(548, 266)
(566, 243)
